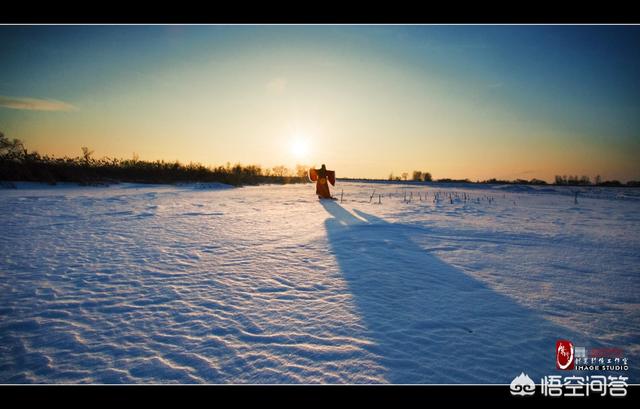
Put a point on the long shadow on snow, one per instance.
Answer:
(431, 322)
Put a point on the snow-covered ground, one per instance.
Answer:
(267, 284)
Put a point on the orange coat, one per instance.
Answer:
(322, 180)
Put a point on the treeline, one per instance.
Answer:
(564, 180)
(416, 176)
(574, 180)
(18, 164)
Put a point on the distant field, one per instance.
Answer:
(267, 284)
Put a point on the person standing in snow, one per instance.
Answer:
(323, 177)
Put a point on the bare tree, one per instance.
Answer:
(11, 149)
(86, 154)
(301, 171)
(280, 171)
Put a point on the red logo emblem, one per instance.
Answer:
(564, 355)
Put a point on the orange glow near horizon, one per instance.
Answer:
(366, 101)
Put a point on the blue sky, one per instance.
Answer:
(459, 101)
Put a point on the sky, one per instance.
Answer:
(473, 102)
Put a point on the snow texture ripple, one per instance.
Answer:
(206, 284)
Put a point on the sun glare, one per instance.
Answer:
(300, 147)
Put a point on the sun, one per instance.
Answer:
(299, 147)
